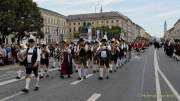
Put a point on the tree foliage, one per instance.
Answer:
(20, 17)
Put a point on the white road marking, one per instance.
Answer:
(15, 80)
(78, 81)
(12, 96)
(94, 97)
(167, 81)
(158, 88)
(169, 84)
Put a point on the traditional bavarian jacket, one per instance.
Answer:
(32, 55)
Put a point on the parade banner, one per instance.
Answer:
(90, 34)
(97, 34)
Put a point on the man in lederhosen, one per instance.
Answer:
(104, 54)
(44, 62)
(89, 54)
(20, 57)
(96, 47)
(31, 61)
(114, 55)
(82, 70)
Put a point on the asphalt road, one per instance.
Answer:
(152, 76)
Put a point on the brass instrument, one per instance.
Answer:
(21, 55)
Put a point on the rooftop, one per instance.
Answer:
(96, 16)
(52, 12)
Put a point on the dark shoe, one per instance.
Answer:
(94, 71)
(62, 77)
(100, 78)
(115, 70)
(69, 76)
(41, 77)
(36, 88)
(76, 71)
(18, 77)
(79, 78)
(47, 76)
(110, 71)
(25, 90)
(107, 77)
(53, 67)
(84, 77)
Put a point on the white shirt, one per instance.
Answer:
(30, 53)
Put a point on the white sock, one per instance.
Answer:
(101, 70)
(54, 64)
(107, 71)
(19, 72)
(41, 71)
(76, 66)
(37, 82)
(85, 72)
(79, 72)
(95, 67)
(28, 80)
(111, 66)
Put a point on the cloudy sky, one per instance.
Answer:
(150, 14)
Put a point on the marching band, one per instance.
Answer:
(103, 56)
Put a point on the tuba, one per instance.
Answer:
(21, 55)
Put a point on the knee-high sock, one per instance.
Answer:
(47, 71)
(19, 72)
(111, 66)
(101, 70)
(107, 72)
(54, 63)
(37, 81)
(80, 72)
(95, 67)
(28, 80)
(41, 71)
(85, 72)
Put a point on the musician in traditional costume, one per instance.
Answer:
(66, 61)
(104, 54)
(55, 55)
(96, 47)
(114, 55)
(31, 63)
(81, 51)
(89, 54)
(44, 62)
(20, 57)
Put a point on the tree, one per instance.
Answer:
(7, 18)
(20, 17)
(28, 19)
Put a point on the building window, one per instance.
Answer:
(112, 21)
(74, 23)
(69, 29)
(74, 29)
(92, 23)
(79, 23)
(117, 20)
(107, 21)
